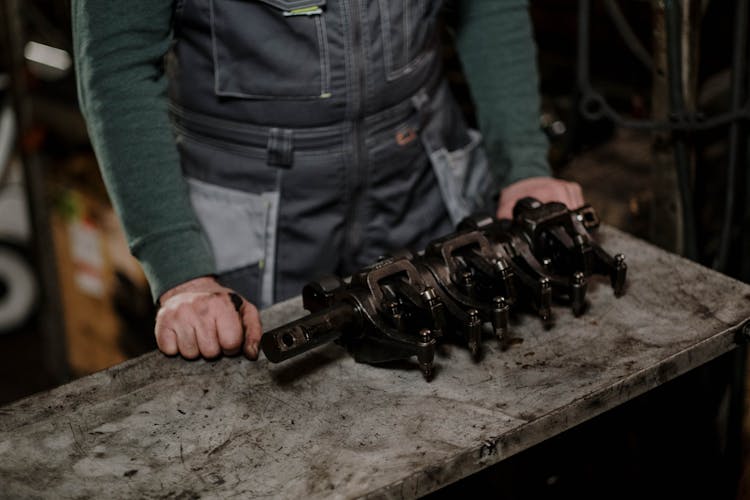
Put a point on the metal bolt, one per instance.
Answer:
(393, 308)
(473, 316)
(429, 294)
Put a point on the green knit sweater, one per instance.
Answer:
(119, 53)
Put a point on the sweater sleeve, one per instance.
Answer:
(119, 59)
(495, 43)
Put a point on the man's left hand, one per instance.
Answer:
(544, 189)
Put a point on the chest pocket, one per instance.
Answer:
(270, 49)
(407, 26)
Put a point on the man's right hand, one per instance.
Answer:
(199, 318)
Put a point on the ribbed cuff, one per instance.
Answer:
(518, 162)
(173, 258)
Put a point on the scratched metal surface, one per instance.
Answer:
(325, 427)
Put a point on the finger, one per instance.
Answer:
(186, 342)
(166, 339)
(505, 210)
(185, 330)
(206, 337)
(570, 196)
(578, 198)
(253, 329)
(228, 328)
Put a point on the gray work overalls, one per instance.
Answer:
(318, 135)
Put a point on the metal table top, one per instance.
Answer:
(322, 426)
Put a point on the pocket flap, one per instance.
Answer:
(297, 7)
(270, 49)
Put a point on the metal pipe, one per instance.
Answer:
(686, 123)
(309, 331)
(627, 34)
(737, 141)
(678, 109)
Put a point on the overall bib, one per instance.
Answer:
(318, 135)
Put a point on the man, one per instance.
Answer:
(306, 136)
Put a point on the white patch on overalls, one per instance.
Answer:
(241, 228)
(463, 176)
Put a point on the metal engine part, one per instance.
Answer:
(403, 305)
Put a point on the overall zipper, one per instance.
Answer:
(359, 153)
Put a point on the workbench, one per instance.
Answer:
(322, 426)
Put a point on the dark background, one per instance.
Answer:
(668, 443)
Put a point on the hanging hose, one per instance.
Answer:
(736, 132)
(677, 108)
